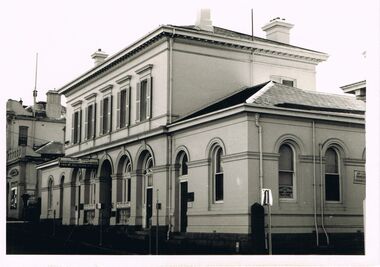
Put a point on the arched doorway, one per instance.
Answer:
(182, 191)
(144, 189)
(61, 196)
(123, 190)
(75, 196)
(105, 192)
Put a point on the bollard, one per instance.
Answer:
(237, 247)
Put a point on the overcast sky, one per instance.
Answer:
(66, 33)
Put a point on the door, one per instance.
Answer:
(183, 207)
(149, 208)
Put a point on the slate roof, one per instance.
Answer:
(51, 148)
(273, 94)
(239, 35)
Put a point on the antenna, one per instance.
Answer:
(252, 22)
(35, 87)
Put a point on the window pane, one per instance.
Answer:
(129, 190)
(143, 100)
(218, 165)
(184, 165)
(105, 114)
(331, 161)
(286, 158)
(219, 187)
(285, 185)
(76, 129)
(23, 136)
(150, 180)
(122, 107)
(332, 187)
(89, 121)
(288, 82)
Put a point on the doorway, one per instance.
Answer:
(149, 207)
(183, 207)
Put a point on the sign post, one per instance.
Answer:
(267, 200)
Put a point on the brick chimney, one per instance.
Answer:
(203, 21)
(99, 57)
(278, 30)
(53, 104)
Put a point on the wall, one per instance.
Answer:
(157, 56)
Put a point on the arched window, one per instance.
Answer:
(183, 162)
(332, 175)
(286, 173)
(217, 174)
(50, 194)
(127, 182)
(148, 171)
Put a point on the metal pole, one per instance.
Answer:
(101, 228)
(54, 223)
(150, 235)
(270, 231)
(157, 224)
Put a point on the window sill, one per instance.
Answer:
(218, 202)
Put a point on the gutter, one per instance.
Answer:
(322, 195)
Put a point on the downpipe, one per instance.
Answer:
(322, 196)
(170, 149)
(315, 187)
(260, 129)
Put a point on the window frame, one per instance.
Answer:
(145, 104)
(105, 114)
(23, 136)
(76, 129)
(90, 121)
(294, 173)
(215, 198)
(339, 174)
(50, 193)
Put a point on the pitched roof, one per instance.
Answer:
(273, 94)
(52, 148)
(243, 36)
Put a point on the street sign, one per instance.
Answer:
(266, 197)
(68, 162)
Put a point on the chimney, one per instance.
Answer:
(203, 21)
(53, 104)
(99, 57)
(278, 30)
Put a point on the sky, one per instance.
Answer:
(66, 33)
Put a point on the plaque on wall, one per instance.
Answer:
(359, 177)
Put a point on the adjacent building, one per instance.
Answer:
(34, 134)
(199, 119)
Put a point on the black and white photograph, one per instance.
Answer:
(198, 133)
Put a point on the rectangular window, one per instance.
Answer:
(123, 108)
(129, 190)
(144, 99)
(332, 187)
(23, 136)
(90, 122)
(14, 198)
(106, 115)
(219, 187)
(76, 127)
(288, 83)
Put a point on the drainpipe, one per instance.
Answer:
(315, 189)
(322, 196)
(260, 129)
(170, 148)
(171, 76)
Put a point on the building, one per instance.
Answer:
(199, 119)
(358, 89)
(34, 134)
